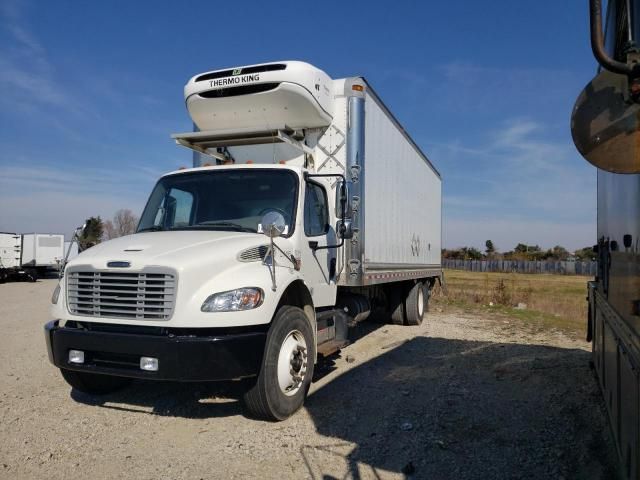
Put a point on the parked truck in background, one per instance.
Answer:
(606, 130)
(308, 206)
(29, 255)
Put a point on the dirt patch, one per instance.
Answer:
(462, 396)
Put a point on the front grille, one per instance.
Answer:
(138, 296)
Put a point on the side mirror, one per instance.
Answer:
(344, 229)
(605, 124)
(80, 231)
(343, 196)
(273, 224)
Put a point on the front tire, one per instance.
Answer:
(93, 383)
(287, 367)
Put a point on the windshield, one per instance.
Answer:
(232, 200)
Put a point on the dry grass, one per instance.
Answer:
(552, 301)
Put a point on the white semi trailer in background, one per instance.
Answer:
(42, 251)
(314, 208)
(29, 255)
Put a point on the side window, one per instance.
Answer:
(316, 213)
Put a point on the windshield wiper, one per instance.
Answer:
(235, 226)
(153, 228)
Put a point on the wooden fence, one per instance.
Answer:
(523, 266)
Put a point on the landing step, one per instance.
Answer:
(332, 346)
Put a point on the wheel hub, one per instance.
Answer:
(292, 363)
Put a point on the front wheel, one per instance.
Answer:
(93, 383)
(287, 367)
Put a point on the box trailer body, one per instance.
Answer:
(42, 250)
(10, 247)
(308, 207)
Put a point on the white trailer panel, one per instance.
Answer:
(402, 195)
(9, 250)
(42, 249)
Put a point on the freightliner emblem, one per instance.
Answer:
(118, 264)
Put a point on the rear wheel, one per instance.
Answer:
(94, 383)
(32, 274)
(396, 295)
(287, 367)
(417, 303)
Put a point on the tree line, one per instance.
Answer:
(521, 251)
(124, 222)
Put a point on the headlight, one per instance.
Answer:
(56, 294)
(234, 300)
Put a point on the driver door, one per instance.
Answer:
(320, 263)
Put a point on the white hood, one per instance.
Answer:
(173, 249)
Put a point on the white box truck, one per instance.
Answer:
(42, 251)
(314, 208)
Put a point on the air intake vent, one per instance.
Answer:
(243, 90)
(253, 254)
(272, 67)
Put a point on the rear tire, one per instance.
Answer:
(32, 274)
(287, 367)
(417, 304)
(396, 304)
(93, 383)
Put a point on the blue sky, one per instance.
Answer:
(92, 90)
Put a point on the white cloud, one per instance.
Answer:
(521, 187)
(27, 77)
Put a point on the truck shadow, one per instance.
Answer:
(431, 408)
(440, 408)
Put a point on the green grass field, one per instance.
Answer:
(552, 301)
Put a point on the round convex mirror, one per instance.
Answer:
(273, 224)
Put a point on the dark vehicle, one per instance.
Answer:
(606, 130)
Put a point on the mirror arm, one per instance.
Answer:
(75, 238)
(324, 247)
(597, 44)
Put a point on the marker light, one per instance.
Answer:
(357, 88)
(149, 364)
(76, 356)
(234, 300)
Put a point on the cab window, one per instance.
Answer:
(316, 212)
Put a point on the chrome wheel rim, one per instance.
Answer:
(292, 363)
(420, 302)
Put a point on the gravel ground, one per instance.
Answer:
(458, 397)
